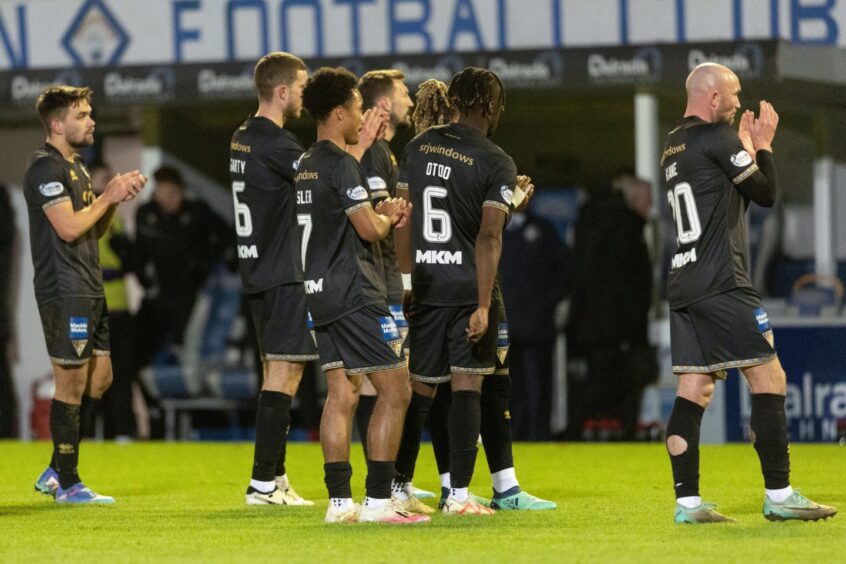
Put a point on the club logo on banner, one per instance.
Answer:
(78, 333)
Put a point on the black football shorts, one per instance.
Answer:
(75, 329)
(362, 342)
(729, 330)
(281, 321)
(439, 347)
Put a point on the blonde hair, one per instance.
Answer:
(432, 106)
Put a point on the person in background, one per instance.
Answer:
(533, 256)
(8, 404)
(611, 299)
(114, 259)
(178, 241)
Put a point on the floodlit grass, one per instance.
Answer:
(184, 502)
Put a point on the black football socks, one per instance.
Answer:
(769, 430)
(684, 423)
(64, 426)
(273, 417)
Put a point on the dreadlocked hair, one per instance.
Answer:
(432, 106)
(475, 88)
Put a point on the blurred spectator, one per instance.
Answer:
(611, 301)
(534, 271)
(178, 240)
(115, 260)
(8, 403)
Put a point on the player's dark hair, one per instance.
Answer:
(476, 89)
(375, 84)
(275, 69)
(55, 101)
(327, 89)
(432, 106)
(170, 174)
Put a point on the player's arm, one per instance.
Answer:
(70, 224)
(374, 225)
(762, 186)
(488, 251)
(753, 176)
(373, 124)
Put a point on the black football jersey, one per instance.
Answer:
(343, 272)
(380, 167)
(451, 173)
(263, 160)
(61, 269)
(701, 165)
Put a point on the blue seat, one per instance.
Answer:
(813, 295)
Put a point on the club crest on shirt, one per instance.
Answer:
(741, 159)
(78, 333)
(502, 342)
(51, 189)
(357, 193)
(507, 194)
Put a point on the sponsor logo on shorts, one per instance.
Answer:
(502, 342)
(741, 159)
(389, 328)
(763, 319)
(78, 328)
(398, 315)
(78, 333)
(51, 189)
(357, 193)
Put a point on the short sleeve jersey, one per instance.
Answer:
(702, 163)
(263, 160)
(62, 269)
(380, 167)
(451, 173)
(342, 271)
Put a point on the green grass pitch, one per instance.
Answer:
(184, 502)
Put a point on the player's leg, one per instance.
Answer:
(496, 438)
(280, 319)
(439, 433)
(364, 412)
(273, 418)
(335, 434)
(496, 431)
(385, 433)
(693, 394)
(402, 487)
(768, 422)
